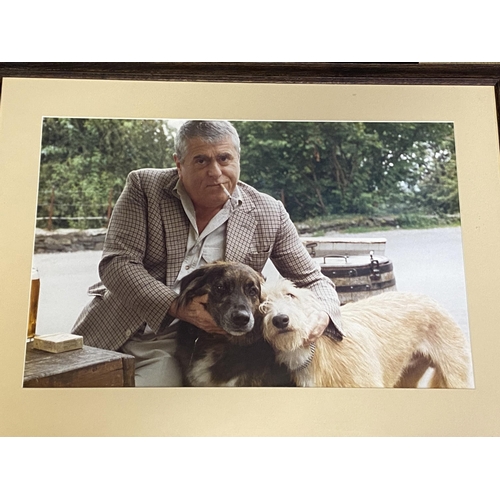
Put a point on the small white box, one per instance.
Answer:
(58, 342)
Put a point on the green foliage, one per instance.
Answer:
(84, 163)
(318, 169)
(324, 168)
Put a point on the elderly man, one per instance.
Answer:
(168, 222)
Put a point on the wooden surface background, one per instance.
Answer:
(359, 73)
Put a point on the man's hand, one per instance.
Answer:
(319, 322)
(196, 313)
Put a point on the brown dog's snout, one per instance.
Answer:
(240, 317)
(281, 321)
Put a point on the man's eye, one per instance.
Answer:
(224, 158)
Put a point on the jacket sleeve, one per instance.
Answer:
(293, 262)
(122, 269)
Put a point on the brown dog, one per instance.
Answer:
(390, 341)
(240, 358)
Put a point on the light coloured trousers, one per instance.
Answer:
(155, 365)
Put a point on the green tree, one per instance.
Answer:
(324, 168)
(84, 162)
(315, 168)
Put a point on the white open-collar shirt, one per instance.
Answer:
(206, 247)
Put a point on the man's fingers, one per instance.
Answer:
(202, 300)
(196, 313)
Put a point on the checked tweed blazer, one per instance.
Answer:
(145, 247)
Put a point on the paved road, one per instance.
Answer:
(428, 261)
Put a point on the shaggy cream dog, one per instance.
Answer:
(390, 340)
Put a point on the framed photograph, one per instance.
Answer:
(273, 94)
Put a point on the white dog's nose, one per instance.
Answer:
(281, 321)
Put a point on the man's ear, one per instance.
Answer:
(193, 285)
(177, 164)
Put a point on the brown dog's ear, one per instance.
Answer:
(262, 280)
(264, 289)
(193, 285)
(261, 286)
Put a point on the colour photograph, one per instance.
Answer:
(375, 206)
(248, 259)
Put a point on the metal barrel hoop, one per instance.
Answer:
(352, 272)
(354, 282)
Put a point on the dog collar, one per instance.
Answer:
(312, 350)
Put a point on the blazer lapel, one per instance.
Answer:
(176, 227)
(240, 229)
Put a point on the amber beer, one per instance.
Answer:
(35, 292)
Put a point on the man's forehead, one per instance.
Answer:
(197, 146)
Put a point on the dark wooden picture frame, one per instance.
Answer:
(409, 74)
(487, 74)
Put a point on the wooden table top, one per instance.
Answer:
(41, 364)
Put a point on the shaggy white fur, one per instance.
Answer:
(391, 339)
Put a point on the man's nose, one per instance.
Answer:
(214, 169)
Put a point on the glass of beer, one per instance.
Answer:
(35, 292)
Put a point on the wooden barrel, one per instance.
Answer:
(359, 276)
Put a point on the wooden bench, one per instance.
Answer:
(86, 367)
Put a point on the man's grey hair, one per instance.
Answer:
(209, 131)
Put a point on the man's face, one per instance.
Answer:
(205, 167)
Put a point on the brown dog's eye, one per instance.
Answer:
(253, 292)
